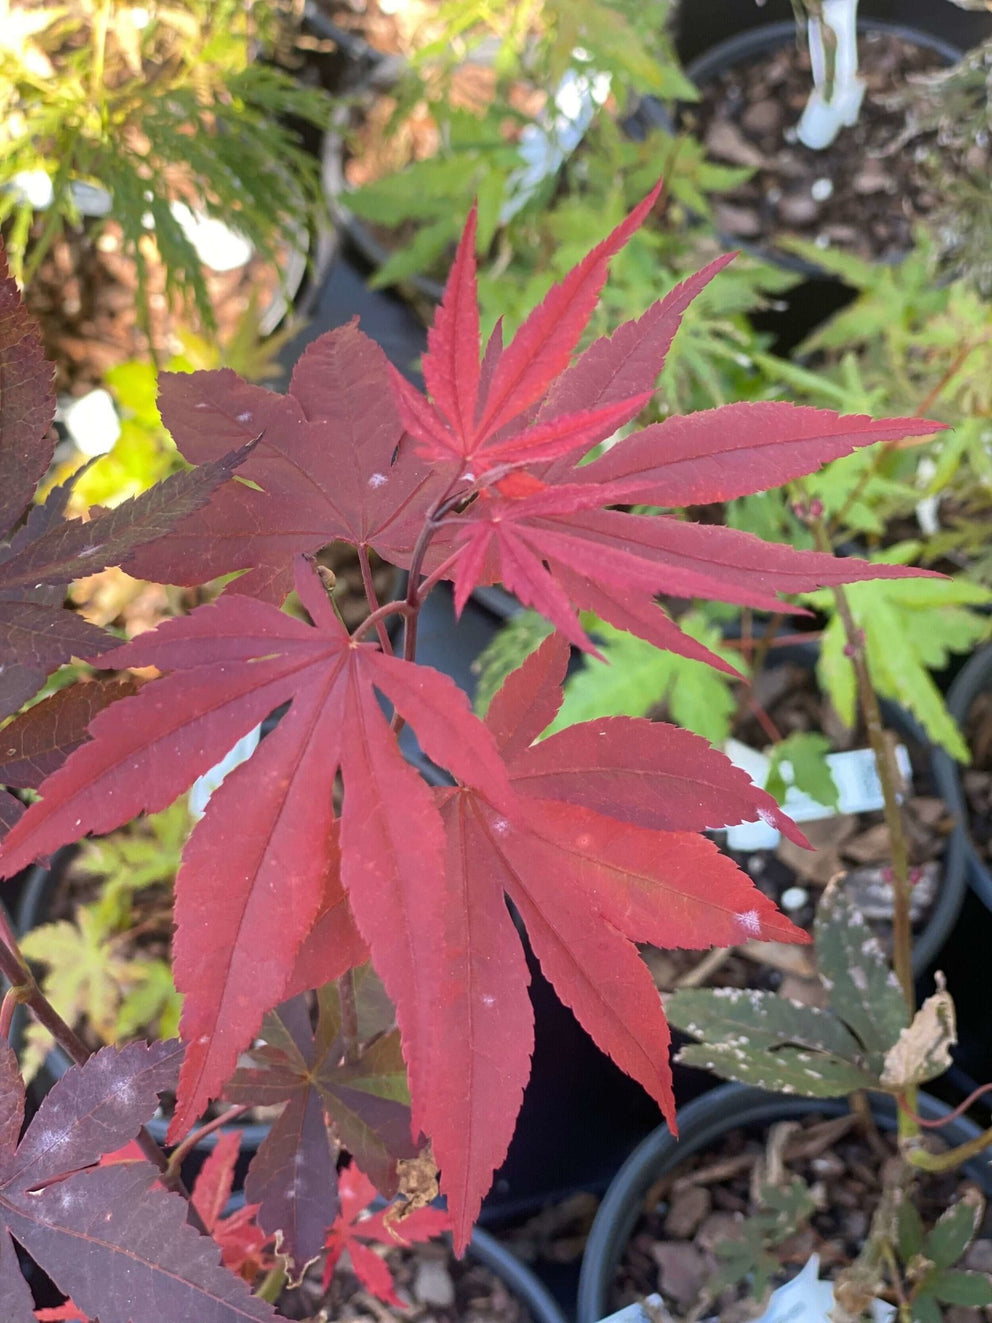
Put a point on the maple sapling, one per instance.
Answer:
(325, 850)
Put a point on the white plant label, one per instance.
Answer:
(824, 117)
(855, 776)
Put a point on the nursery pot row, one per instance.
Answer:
(701, 1125)
(971, 689)
(703, 40)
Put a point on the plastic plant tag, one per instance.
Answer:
(203, 787)
(808, 1300)
(825, 115)
(855, 776)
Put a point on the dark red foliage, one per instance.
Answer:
(325, 848)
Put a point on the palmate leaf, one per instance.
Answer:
(233, 663)
(910, 629)
(106, 1235)
(767, 1040)
(47, 552)
(323, 469)
(293, 1178)
(541, 532)
(600, 854)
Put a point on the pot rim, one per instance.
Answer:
(727, 1107)
(974, 677)
(746, 45)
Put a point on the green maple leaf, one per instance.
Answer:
(911, 627)
(636, 677)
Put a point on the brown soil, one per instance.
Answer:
(434, 1286)
(854, 844)
(85, 295)
(877, 185)
(706, 1201)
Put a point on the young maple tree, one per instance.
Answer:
(326, 849)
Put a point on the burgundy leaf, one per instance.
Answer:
(91, 1110)
(121, 1246)
(38, 741)
(324, 464)
(27, 403)
(293, 1179)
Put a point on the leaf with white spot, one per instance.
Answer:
(107, 1236)
(764, 1039)
(864, 992)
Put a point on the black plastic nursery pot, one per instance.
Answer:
(702, 1124)
(965, 958)
(972, 682)
(746, 48)
(701, 24)
(529, 1290)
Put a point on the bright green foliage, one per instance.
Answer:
(144, 453)
(800, 760)
(130, 861)
(153, 107)
(509, 648)
(767, 1040)
(910, 630)
(929, 1257)
(635, 678)
(909, 342)
(780, 1211)
(541, 37)
(88, 978)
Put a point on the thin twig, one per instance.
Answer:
(349, 1016)
(178, 1154)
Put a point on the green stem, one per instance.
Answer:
(272, 1284)
(888, 775)
(927, 1161)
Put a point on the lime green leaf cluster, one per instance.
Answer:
(911, 627)
(635, 678)
(174, 105)
(88, 978)
(800, 760)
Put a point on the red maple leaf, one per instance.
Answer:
(237, 943)
(592, 833)
(519, 425)
(602, 851)
(244, 1247)
(324, 468)
(355, 1227)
